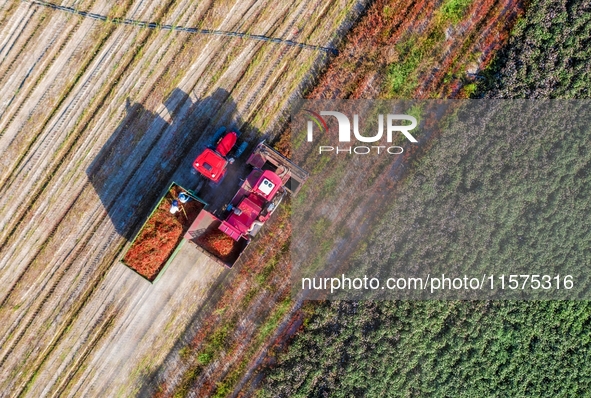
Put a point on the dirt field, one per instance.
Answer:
(96, 120)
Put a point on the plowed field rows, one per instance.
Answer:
(96, 119)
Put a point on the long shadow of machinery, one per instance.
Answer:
(149, 150)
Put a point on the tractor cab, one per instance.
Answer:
(212, 163)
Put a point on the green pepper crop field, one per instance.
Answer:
(473, 348)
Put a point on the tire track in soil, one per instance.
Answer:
(79, 299)
(13, 35)
(49, 279)
(30, 147)
(265, 94)
(7, 10)
(103, 326)
(9, 59)
(4, 300)
(278, 60)
(239, 283)
(100, 256)
(45, 281)
(9, 120)
(53, 344)
(57, 52)
(21, 171)
(209, 84)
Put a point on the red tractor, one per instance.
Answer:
(213, 161)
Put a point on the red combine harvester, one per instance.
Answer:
(212, 163)
(271, 178)
(253, 204)
(223, 238)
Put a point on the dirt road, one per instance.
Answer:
(96, 119)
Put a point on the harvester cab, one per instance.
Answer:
(273, 175)
(252, 205)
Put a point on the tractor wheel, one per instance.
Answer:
(240, 150)
(218, 134)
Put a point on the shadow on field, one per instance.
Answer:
(148, 151)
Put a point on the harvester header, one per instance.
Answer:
(266, 158)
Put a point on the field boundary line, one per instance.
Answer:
(154, 25)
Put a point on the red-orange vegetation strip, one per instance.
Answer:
(238, 354)
(497, 32)
(259, 253)
(368, 47)
(360, 69)
(484, 30)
